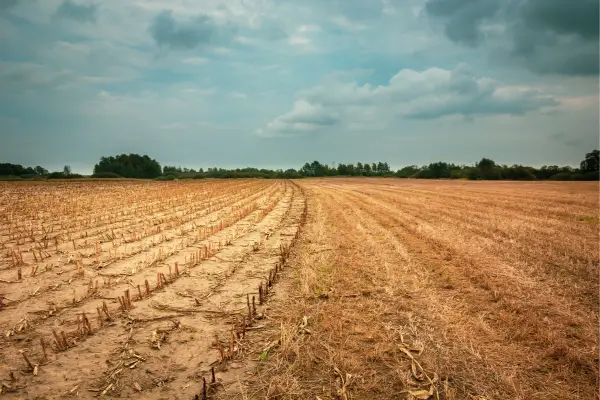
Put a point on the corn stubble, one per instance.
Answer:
(345, 288)
(98, 268)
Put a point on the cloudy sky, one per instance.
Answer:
(275, 83)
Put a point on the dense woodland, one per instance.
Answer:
(144, 167)
(128, 166)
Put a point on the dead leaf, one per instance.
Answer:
(344, 383)
(417, 373)
(422, 394)
(304, 322)
(302, 328)
(406, 351)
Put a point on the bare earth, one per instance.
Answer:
(393, 289)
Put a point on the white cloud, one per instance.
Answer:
(309, 28)
(304, 118)
(347, 24)
(194, 60)
(239, 95)
(299, 40)
(243, 39)
(302, 37)
(410, 94)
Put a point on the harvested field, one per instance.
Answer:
(393, 289)
(110, 289)
(439, 290)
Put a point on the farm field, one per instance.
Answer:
(113, 288)
(439, 290)
(372, 288)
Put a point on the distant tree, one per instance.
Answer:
(457, 172)
(562, 176)
(167, 169)
(547, 171)
(518, 173)
(407, 171)
(129, 166)
(488, 169)
(318, 168)
(486, 164)
(315, 169)
(40, 171)
(67, 170)
(366, 169)
(342, 169)
(383, 168)
(12, 169)
(351, 169)
(106, 175)
(438, 170)
(591, 163)
(473, 173)
(306, 170)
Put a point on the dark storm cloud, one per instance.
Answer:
(463, 17)
(7, 4)
(77, 12)
(202, 30)
(546, 36)
(579, 17)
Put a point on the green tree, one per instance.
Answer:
(591, 162)
(318, 168)
(40, 171)
(407, 171)
(342, 169)
(518, 173)
(438, 170)
(488, 169)
(129, 166)
(366, 169)
(306, 170)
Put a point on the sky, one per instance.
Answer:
(276, 83)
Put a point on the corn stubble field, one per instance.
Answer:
(324, 288)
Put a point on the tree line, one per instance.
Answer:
(144, 167)
(10, 171)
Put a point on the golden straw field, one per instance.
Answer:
(349, 288)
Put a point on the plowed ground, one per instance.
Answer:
(394, 289)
